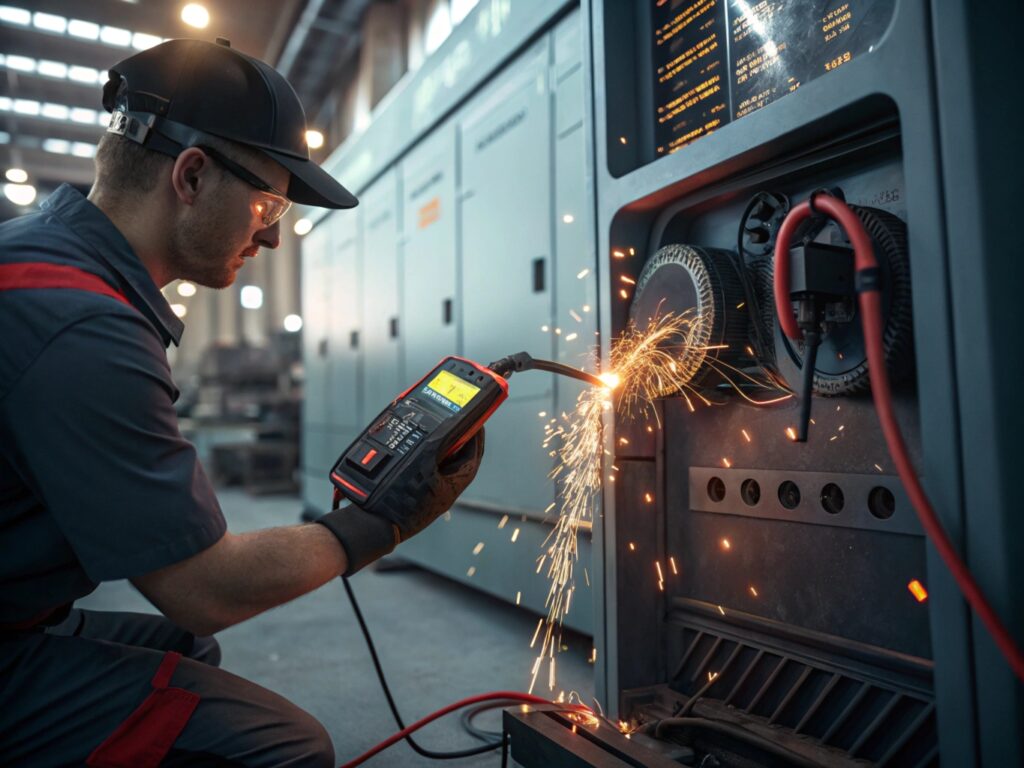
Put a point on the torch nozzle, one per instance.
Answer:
(521, 361)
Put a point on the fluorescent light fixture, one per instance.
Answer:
(83, 29)
(141, 41)
(50, 22)
(438, 28)
(18, 16)
(186, 289)
(20, 194)
(292, 323)
(6, 104)
(17, 175)
(314, 139)
(52, 68)
(83, 74)
(195, 15)
(26, 106)
(83, 115)
(5, 137)
(116, 36)
(57, 146)
(179, 309)
(56, 111)
(303, 227)
(20, 63)
(103, 119)
(252, 296)
(83, 149)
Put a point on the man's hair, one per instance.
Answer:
(125, 168)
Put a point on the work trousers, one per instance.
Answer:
(64, 691)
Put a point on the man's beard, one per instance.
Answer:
(198, 252)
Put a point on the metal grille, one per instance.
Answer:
(887, 725)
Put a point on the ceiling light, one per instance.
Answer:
(186, 289)
(116, 36)
(20, 63)
(292, 323)
(303, 227)
(461, 9)
(20, 194)
(142, 41)
(52, 68)
(57, 146)
(82, 115)
(84, 29)
(252, 296)
(83, 74)
(438, 28)
(26, 106)
(83, 149)
(195, 15)
(17, 175)
(314, 139)
(50, 22)
(17, 16)
(56, 111)
(179, 309)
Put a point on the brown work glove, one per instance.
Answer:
(425, 491)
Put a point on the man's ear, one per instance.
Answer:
(189, 174)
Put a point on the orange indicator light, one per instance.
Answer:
(918, 591)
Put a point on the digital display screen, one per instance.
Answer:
(449, 390)
(719, 60)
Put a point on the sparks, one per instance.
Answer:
(632, 547)
(648, 498)
(503, 522)
(746, 435)
(618, 254)
(624, 293)
(575, 316)
(628, 280)
(726, 544)
(515, 535)
(582, 273)
(657, 567)
(753, 591)
(726, 463)
(721, 610)
(478, 548)
(672, 564)
(791, 433)
(519, 596)
(918, 591)
(878, 467)
(471, 571)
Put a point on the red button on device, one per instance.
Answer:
(369, 455)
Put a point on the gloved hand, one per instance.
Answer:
(426, 491)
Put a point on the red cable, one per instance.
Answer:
(871, 318)
(495, 696)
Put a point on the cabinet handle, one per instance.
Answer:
(353, 340)
(447, 311)
(393, 327)
(321, 348)
(538, 275)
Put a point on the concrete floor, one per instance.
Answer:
(438, 642)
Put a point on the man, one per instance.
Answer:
(204, 154)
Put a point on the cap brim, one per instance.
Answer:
(312, 185)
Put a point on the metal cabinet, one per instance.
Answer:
(507, 248)
(382, 326)
(342, 278)
(315, 254)
(430, 312)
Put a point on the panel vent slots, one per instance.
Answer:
(867, 720)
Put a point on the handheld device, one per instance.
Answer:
(447, 406)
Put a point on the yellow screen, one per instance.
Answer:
(452, 387)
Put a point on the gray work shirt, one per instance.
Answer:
(96, 481)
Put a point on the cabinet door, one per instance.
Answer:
(315, 345)
(429, 309)
(506, 219)
(506, 271)
(345, 332)
(382, 326)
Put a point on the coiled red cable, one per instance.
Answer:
(870, 302)
(494, 696)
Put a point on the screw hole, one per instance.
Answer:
(751, 492)
(832, 499)
(881, 502)
(716, 489)
(789, 494)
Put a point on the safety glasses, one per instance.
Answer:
(271, 206)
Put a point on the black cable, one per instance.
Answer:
(736, 731)
(468, 715)
(391, 702)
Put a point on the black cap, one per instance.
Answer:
(172, 93)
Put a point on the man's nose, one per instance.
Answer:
(269, 237)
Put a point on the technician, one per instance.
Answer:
(204, 154)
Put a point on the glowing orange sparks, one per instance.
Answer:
(753, 591)
(791, 433)
(918, 591)
(746, 435)
(726, 544)
(628, 280)
(632, 547)
(624, 293)
(672, 564)
(648, 498)
(726, 463)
